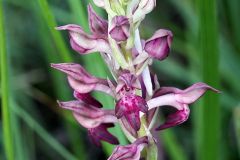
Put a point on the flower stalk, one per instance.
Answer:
(135, 88)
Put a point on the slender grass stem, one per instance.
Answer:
(57, 38)
(172, 146)
(209, 112)
(6, 112)
(51, 141)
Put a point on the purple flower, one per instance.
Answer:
(129, 104)
(101, 133)
(158, 46)
(120, 28)
(84, 43)
(129, 107)
(179, 99)
(80, 80)
(135, 88)
(88, 99)
(129, 152)
(89, 116)
(98, 26)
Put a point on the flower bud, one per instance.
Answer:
(142, 8)
(120, 28)
(158, 46)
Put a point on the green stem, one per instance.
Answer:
(8, 143)
(209, 112)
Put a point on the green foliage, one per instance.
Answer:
(6, 112)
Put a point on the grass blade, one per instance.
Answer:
(236, 116)
(172, 147)
(42, 132)
(51, 22)
(209, 112)
(6, 112)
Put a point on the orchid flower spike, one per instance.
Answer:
(135, 87)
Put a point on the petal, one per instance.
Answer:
(89, 116)
(101, 133)
(84, 43)
(120, 30)
(80, 80)
(193, 93)
(147, 81)
(129, 107)
(180, 99)
(176, 118)
(98, 26)
(88, 99)
(173, 96)
(81, 87)
(75, 71)
(158, 46)
(129, 152)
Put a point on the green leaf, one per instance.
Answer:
(209, 111)
(6, 112)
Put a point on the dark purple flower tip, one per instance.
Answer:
(131, 151)
(129, 106)
(175, 119)
(101, 133)
(87, 115)
(98, 26)
(120, 30)
(88, 99)
(158, 46)
(75, 71)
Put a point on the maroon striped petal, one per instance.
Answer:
(101, 133)
(175, 119)
(98, 26)
(80, 80)
(89, 116)
(88, 99)
(84, 43)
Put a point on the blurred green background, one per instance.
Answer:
(206, 48)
